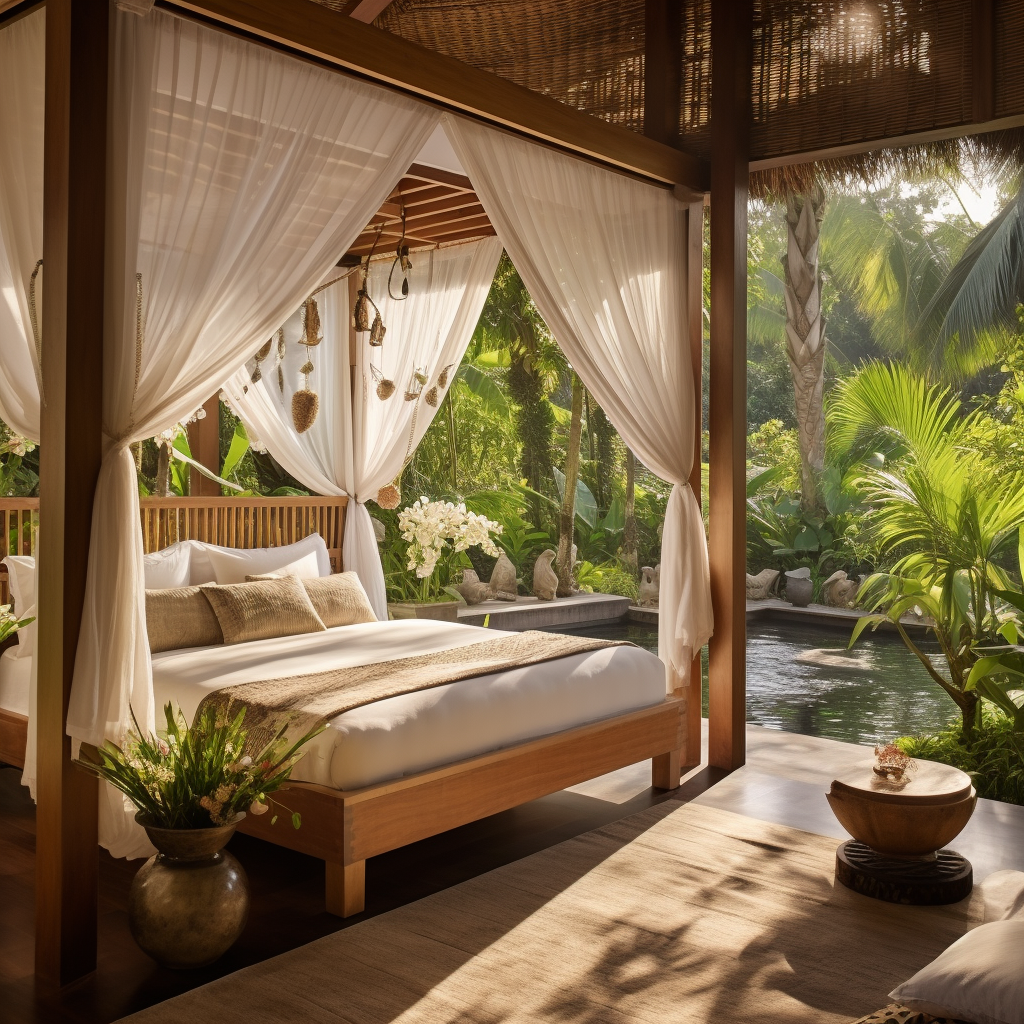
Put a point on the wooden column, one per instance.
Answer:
(983, 60)
(731, 30)
(204, 441)
(663, 69)
(74, 172)
(695, 325)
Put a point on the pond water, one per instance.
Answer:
(800, 678)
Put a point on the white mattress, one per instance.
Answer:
(417, 731)
(15, 677)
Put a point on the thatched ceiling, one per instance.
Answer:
(826, 73)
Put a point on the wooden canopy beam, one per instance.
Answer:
(74, 189)
(323, 35)
(731, 28)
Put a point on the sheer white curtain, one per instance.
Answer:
(237, 178)
(604, 258)
(359, 443)
(22, 92)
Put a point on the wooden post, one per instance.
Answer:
(74, 187)
(983, 60)
(204, 440)
(663, 69)
(731, 31)
(695, 323)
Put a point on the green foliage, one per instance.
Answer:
(10, 624)
(198, 776)
(993, 756)
(19, 465)
(773, 445)
(609, 577)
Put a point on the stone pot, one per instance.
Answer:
(447, 611)
(799, 587)
(188, 903)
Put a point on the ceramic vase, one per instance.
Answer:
(799, 587)
(188, 903)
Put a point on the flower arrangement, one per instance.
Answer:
(198, 776)
(10, 623)
(437, 532)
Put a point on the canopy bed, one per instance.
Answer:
(236, 176)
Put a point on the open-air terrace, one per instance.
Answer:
(511, 511)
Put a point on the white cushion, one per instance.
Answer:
(1003, 893)
(980, 978)
(305, 568)
(238, 563)
(169, 568)
(21, 572)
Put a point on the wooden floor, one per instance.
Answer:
(784, 782)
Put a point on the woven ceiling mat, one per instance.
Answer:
(682, 913)
(585, 53)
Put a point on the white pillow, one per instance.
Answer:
(306, 568)
(21, 574)
(980, 978)
(234, 564)
(1003, 893)
(169, 568)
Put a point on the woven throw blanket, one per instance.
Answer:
(303, 701)
(896, 1014)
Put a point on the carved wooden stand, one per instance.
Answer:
(920, 882)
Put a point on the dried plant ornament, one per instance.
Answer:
(305, 406)
(389, 496)
(377, 331)
(385, 388)
(442, 377)
(892, 763)
(431, 397)
(280, 378)
(257, 371)
(415, 389)
(280, 359)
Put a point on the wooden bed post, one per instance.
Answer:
(346, 888)
(74, 187)
(663, 68)
(204, 440)
(731, 32)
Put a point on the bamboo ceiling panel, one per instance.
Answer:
(825, 72)
(440, 208)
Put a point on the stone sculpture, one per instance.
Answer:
(472, 589)
(545, 579)
(760, 587)
(839, 590)
(503, 583)
(650, 586)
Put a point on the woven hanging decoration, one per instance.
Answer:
(431, 397)
(280, 360)
(389, 496)
(361, 312)
(415, 389)
(442, 377)
(257, 371)
(305, 406)
(311, 335)
(385, 388)
(377, 331)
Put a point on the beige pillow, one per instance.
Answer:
(180, 617)
(263, 609)
(339, 599)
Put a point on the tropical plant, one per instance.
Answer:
(19, 464)
(199, 776)
(946, 516)
(10, 624)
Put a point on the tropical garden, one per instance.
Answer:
(886, 430)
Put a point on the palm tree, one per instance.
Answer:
(946, 516)
(805, 335)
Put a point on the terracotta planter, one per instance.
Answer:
(447, 611)
(188, 903)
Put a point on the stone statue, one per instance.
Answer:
(761, 586)
(650, 586)
(471, 589)
(503, 583)
(545, 579)
(839, 590)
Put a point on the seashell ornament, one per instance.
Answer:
(305, 406)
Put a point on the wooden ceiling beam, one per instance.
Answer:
(347, 44)
(368, 10)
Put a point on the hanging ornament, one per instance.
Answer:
(361, 313)
(431, 397)
(377, 331)
(389, 496)
(257, 372)
(442, 377)
(280, 378)
(311, 335)
(280, 360)
(305, 406)
(415, 389)
(385, 388)
(280, 343)
(306, 368)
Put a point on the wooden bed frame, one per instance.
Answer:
(345, 827)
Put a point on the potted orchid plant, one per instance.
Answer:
(438, 533)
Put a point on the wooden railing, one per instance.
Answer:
(231, 522)
(19, 526)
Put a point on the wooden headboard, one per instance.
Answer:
(231, 522)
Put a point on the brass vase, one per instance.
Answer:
(188, 903)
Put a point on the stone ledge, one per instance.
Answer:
(530, 613)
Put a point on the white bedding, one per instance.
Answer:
(417, 731)
(15, 677)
